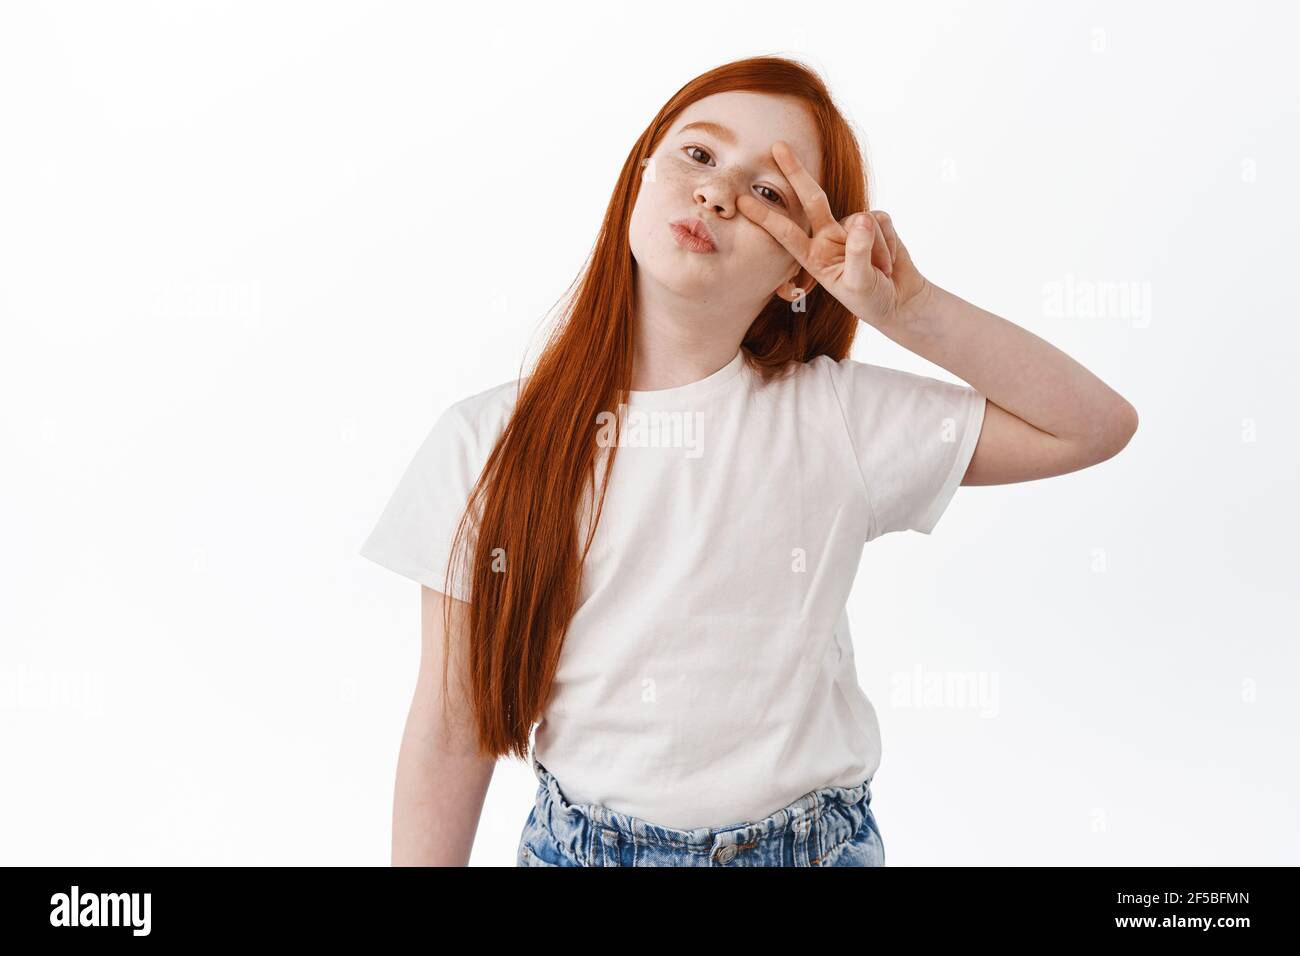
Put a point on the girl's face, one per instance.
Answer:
(720, 147)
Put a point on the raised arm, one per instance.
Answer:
(1046, 415)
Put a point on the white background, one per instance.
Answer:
(251, 250)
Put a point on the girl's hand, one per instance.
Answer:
(860, 259)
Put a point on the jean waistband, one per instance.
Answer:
(777, 821)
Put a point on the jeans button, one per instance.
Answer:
(725, 854)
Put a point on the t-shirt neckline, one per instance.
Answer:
(691, 391)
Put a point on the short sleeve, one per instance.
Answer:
(913, 437)
(413, 535)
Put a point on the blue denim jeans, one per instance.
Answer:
(832, 826)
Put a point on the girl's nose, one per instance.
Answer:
(719, 193)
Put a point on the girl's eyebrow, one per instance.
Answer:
(713, 129)
(728, 137)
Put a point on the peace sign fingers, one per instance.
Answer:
(781, 227)
(810, 192)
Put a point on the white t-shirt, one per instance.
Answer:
(707, 677)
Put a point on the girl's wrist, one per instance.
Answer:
(912, 314)
(920, 304)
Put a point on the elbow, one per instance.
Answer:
(1120, 429)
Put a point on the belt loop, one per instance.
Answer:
(801, 827)
(609, 847)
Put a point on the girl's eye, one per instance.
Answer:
(776, 196)
(696, 149)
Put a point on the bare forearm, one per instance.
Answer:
(1013, 368)
(439, 793)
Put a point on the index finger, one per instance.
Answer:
(808, 189)
(781, 227)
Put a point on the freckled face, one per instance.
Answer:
(698, 171)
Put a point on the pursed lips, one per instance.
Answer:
(698, 228)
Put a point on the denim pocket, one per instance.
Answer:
(527, 857)
(538, 847)
(864, 848)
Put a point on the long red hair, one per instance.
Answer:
(523, 512)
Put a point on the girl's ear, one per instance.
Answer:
(802, 280)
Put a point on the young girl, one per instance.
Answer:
(646, 545)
